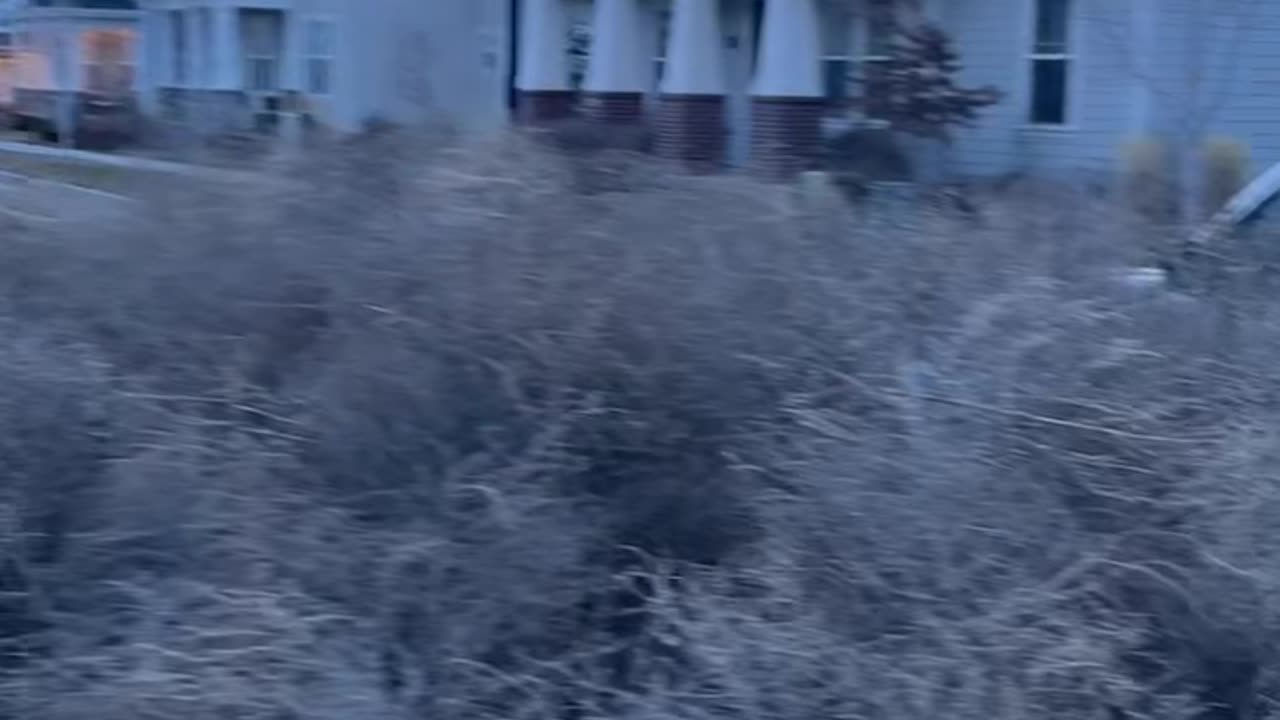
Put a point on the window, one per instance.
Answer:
(178, 32)
(108, 61)
(660, 51)
(204, 26)
(321, 46)
(838, 55)
(1050, 63)
(261, 31)
(857, 43)
(579, 50)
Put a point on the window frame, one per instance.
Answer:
(249, 56)
(661, 40)
(310, 56)
(1067, 56)
(108, 75)
(179, 48)
(855, 58)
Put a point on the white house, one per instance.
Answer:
(233, 64)
(748, 81)
(69, 56)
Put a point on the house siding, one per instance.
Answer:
(993, 39)
(1239, 96)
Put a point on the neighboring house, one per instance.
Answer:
(222, 65)
(7, 65)
(71, 56)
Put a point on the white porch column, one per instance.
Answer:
(695, 55)
(617, 76)
(691, 120)
(69, 80)
(542, 71)
(225, 55)
(787, 104)
(790, 60)
(146, 59)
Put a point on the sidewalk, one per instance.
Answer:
(125, 162)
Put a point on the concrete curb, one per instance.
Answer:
(126, 162)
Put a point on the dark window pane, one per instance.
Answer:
(1051, 26)
(1048, 92)
(836, 80)
(875, 89)
(664, 34)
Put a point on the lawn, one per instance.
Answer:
(118, 180)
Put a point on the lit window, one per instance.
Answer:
(108, 61)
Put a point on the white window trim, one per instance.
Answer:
(1069, 56)
(661, 37)
(308, 56)
(277, 59)
(176, 27)
(857, 58)
(88, 61)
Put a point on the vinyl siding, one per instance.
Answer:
(994, 37)
(1239, 95)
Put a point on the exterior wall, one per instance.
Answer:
(406, 62)
(1224, 75)
(994, 37)
(445, 62)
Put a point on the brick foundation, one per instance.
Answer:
(538, 107)
(614, 107)
(786, 135)
(690, 129)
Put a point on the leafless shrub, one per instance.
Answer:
(457, 441)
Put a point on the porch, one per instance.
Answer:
(72, 71)
(755, 83)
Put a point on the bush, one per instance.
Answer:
(485, 447)
(1226, 165)
(1145, 179)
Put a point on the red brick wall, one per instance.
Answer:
(786, 135)
(536, 107)
(614, 107)
(690, 129)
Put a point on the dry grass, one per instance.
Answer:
(439, 437)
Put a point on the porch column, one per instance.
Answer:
(70, 83)
(787, 96)
(691, 115)
(225, 55)
(618, 71)
(542, 78)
